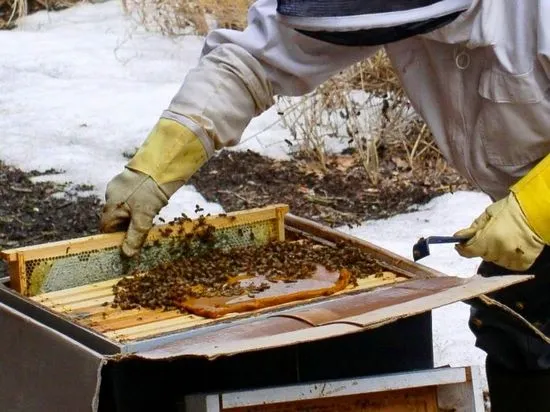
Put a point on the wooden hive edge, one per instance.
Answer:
(108, 240)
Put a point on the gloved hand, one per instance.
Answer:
(513, 231)
(167, 159)
(502, 235)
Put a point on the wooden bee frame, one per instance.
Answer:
(31, 268)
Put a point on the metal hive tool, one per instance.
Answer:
(421, 248)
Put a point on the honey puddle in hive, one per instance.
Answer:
(322, 283)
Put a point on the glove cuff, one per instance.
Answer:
(171, 153)
(533, 195)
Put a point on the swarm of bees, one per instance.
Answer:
(213, 271)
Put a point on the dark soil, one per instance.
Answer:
(341, 195)
(29, 214)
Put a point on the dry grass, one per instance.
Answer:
(364, 108)
(227, 14)
(375, 75)
(12, 10)
(176, 17)
(171, 18)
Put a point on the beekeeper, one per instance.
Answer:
(477, 71)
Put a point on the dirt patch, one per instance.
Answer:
(341, 195)
(32, 213)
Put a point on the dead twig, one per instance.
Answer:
(20, 189)
(244, 199)
(325, 200)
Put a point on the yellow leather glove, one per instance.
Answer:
(513, 231)
(170, 155)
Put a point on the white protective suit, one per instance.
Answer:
(482, 83)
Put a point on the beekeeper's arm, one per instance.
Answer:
(236, 79)
(513, 231)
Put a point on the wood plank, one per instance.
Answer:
(346, 387)
(145, 331)
(423, 399)
(85, 305)
(108, 240)
(82, 307)
(281, 223)
(84, 315)
(90, 302)
(167, 325)
(18, 274)
(475, 286)
(135, 320)
(83, 297)
(103, 285)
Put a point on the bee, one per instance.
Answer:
(162, 220)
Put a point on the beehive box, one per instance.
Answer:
(71, 330)
(75, 278)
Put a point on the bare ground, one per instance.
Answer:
(35, 213)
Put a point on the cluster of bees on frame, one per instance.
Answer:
(211, 271)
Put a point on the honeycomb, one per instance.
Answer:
(71, 270)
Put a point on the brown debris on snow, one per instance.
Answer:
(339, 196)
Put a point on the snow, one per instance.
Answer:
(453, 342)
(82, 86)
